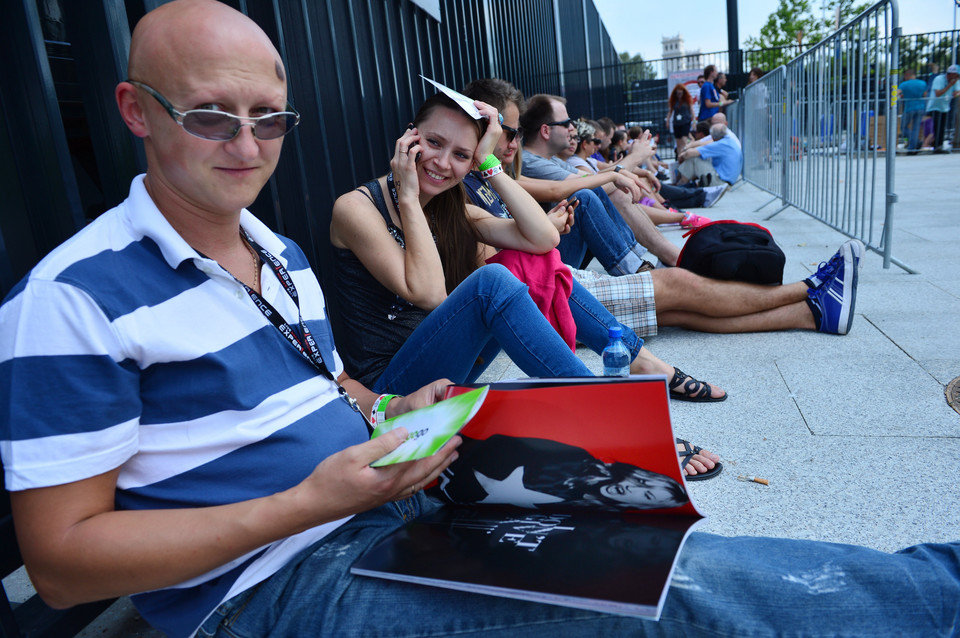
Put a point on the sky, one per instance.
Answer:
(637, 26)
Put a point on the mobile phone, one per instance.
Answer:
(573, 201)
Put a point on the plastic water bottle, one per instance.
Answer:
(616, 357)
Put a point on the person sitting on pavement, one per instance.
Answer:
(211, 471)
(415, 297)
(724, 155)
(547, 130)
(578, 157)
(678, 297)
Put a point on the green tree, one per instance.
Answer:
(795, 26)
(635, 68)
(790, 19)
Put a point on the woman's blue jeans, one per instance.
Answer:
(599, 227)
(489, 311)
(734, 587)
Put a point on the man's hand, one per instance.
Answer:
(427, 395)
(629, 186)
(561, 216)
(344, 483)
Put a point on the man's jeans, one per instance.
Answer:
(599, 227)
(911, 124)
(491, 309)
(741, 586)
(681, 197)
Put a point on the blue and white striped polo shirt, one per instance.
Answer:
(125, 348)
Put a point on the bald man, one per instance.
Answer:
(163, 436)
(179, 430)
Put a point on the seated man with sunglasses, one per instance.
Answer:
(547, 130)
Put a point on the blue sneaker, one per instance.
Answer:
(828, 268)
(834, 296)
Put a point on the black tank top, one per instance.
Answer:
(375, 322)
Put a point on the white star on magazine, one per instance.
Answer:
(511, 491)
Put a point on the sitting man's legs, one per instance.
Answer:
(643, 229)
(697, 168)
(607, 236)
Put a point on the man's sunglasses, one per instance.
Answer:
(565, 123)
(512, 133)
(219, 126)
(593, 140)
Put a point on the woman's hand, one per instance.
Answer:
(404, 164)
(488, 143)
(561, 216)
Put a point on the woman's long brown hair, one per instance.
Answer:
(457, 239)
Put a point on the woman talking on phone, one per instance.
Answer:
(415, 297)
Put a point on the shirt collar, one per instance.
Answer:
(146, 220)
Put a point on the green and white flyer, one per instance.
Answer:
(431, 427)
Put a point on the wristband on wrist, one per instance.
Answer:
(489, 163)
(378, 413)
(490, 172)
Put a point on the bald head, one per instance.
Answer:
(718, 118)
(191, 55)
(196, 38)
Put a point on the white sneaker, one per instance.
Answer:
(713, 194)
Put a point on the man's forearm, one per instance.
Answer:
(115, 553)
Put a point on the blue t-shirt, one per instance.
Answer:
(913, 91)
(708, 92)
(727, 158)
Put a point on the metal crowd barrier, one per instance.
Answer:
(816, 132)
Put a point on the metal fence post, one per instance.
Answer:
(838, 117)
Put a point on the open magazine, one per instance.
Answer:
(566, 491)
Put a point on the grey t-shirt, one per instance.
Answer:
(553, 168)
(539, 167)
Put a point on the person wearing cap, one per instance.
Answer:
(942, 92)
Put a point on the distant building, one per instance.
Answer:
(677, 58)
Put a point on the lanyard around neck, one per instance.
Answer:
(304, 343)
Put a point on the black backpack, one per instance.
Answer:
(735, 251)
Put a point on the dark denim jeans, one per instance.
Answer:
(599, 227)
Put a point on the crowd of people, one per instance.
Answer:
(930, 109)
(207, 449)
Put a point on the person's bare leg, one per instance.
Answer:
(647, 363)
(680, 289)
(660, 216)
(647, 234)
(795, 316)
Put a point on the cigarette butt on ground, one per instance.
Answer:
(754, 479)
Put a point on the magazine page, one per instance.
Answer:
(616, 564)
(601, 443)
(565, 492)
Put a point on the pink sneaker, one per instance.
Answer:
(691, 220)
